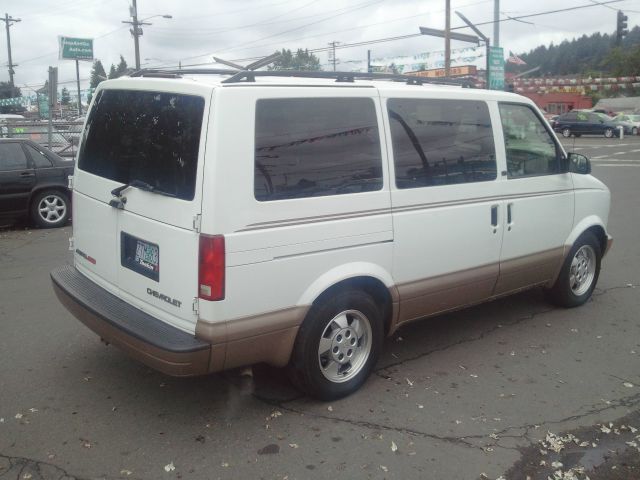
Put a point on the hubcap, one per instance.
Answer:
(345, 346)
(566, 132)
(52, 208)
(583, 270)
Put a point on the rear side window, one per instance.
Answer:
(148, 136)
(441, 142)
(311, 147)
(39, 159)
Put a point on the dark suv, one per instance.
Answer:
(33, 182)
(579, 123)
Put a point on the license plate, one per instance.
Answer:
(147, 255)
(141, 256)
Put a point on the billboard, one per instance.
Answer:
(70, 48)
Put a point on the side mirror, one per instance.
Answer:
(579, 164)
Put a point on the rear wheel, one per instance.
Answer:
(50, 209)
(579, 273)
(608, 132)
(337, 345)
(566, 132)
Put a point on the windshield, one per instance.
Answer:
(147, 136)
(634, 118)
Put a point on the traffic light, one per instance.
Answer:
(621, 30)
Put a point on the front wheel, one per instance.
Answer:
(566, 132)
(50, 209)
(337, 345)
(579, 273)
(608, 133)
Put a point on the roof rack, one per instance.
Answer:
(238, 76)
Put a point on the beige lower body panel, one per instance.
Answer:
(519, 273)
(267, 338)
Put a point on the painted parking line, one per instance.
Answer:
(618, 164)
(616, 160)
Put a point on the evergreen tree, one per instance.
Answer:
(97, 74)
(121, 69)
(112, 72)
(65, 97)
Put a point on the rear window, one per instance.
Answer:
(148, 136)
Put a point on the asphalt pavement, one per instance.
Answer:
(467, 395)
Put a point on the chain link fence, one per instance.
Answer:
(65, 136)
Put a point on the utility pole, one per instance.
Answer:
(447, 40)
(136, 31)
(8, 21)
(368, 61)
(332, 54)
(496, 23)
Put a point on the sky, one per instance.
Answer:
(240, 29)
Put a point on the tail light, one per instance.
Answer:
(211, 267)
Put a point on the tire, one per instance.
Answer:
(577, 135)
(608, 132)
(566, 132)
(50, 208)
(579, 273)
(337, 345)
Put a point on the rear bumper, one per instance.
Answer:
(147, 339)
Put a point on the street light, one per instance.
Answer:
(136, 31)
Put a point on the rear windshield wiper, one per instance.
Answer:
(139, 184)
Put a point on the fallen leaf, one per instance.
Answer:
(628, 384)
(574, 330)
(633, 429)
(170, 467)
(420, 406)
(605, 429)
(224, 465)
(126, 472)
(86, 379)
(556, 465)
(458, 422)
(399, 339)
(33, 410)
(18, 416)
(632, 444)
(473, 375)
(293, 445)
(394, 447)
(409, 382)
(383, 468)
(26, 476)
(494, 436)
(330, 408)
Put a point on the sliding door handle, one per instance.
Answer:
(494, 217)
(509, 216)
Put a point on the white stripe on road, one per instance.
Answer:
(606, 159)
(618, 164)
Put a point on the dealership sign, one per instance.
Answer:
(70, 48)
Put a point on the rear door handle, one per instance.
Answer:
(494, 217)
(27, 174)
(509, 213)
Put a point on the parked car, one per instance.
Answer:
(578, 122)
(33, 183)
(222, 221)
(633, 119)
(39, 133)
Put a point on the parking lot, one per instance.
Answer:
(459, 396)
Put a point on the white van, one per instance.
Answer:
(226, 220)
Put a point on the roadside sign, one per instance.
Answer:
(70, 48)
(496, 69)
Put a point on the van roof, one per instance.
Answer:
(225, 78)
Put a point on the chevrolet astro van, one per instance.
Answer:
(227, 218)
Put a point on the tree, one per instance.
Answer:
(112, 72)
(301, 60)
(97, 74)
(65, 97)
(122, 68)
(7, 91)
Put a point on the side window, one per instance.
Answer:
(582, 116)
(441, 142)
(39, 159)
(12, 156)
(311, 147)
(530, 147)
